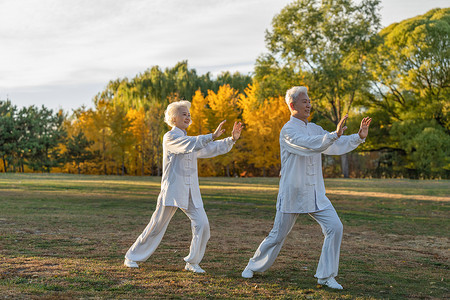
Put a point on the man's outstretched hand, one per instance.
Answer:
(364, 128)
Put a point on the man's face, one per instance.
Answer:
(303, 106)
(183, 118)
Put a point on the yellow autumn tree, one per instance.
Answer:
(94, 123)
(263, 122)
(199, 115)
(140, 132)
(224, 106)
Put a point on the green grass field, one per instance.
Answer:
(64, 237)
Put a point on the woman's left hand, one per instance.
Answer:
(237, 129)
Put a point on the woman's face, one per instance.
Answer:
(183, 118)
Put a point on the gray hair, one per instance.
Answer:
(294, 92)
(172, 111)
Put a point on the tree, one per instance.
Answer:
(224, 106)
(199, 114)
(426, 148)
(411, 80)
(263, 123)
(411, 68)
(323, 45)
(78, 150)
(121, 135)
(8, 133)
(154, 120)
(41, 133)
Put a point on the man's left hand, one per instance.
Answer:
(364, 128)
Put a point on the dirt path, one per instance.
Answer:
(387, 195)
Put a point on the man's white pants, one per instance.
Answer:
(152, 235)
(332, 229)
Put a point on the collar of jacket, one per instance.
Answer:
(298, 121)
(176, 129)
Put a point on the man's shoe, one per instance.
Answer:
(130, 264)
(194, 268)
(247, 273)
(330, 282)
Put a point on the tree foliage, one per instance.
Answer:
(323, 45)
(411, 87)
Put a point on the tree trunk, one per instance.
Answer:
(104, 152)
(4, 165)
(344, 165)
(228, 170)
(123, 163)
(142, 163)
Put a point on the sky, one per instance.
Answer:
(61, 53)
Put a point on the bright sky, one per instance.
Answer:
(61, 53)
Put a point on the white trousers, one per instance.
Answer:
(332, 229)
(152, 235)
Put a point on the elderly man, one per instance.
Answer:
(302, 190)
(179, 186)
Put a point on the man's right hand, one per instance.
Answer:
(340, 127)
(219, 130)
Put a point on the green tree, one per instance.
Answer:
(323, 45)
(411, 68)
(426, 147)
(8, 133)
(411, 87)
(78, 150)
(41, 132)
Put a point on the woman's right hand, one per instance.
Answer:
(219, 130)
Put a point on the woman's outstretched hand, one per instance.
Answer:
(219, 130)
(237, 129)
(341, 126)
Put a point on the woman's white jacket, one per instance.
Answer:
(180, 174)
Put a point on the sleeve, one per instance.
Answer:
(344, 144)
(179, 144)
(305, 145)
(216, 148)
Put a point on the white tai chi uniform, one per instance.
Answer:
(302, 190)
(180, 189)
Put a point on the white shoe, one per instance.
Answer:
(330, 282)
(130, 264)
(194, 268)
(247, 273)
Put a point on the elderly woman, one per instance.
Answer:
(179, 186)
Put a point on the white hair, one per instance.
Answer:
(173, 109)
(293, 93)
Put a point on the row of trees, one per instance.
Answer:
(30, 137)
(112, 138)
(399, 76)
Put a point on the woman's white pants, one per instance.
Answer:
(332, 229)
(152, 235)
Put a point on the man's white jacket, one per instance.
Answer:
(180, 153)
(302, 189)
